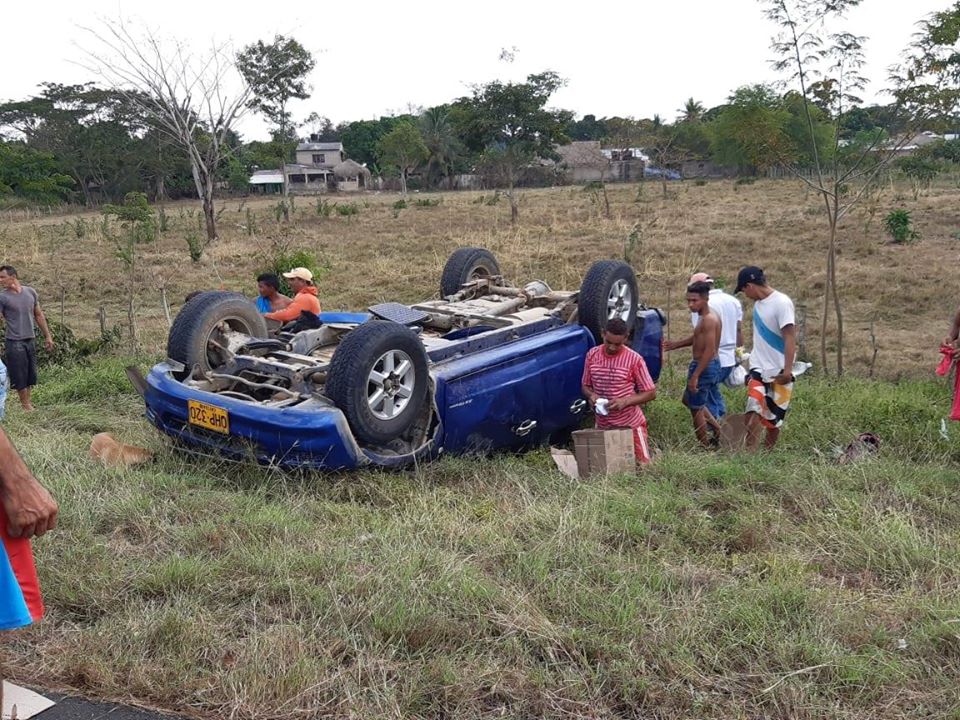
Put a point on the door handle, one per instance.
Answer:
(525, 427)
(578, 406)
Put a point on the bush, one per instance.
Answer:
(747, 180)
(348, 209)
(898, 227)
(68, 349)
(195, 245)
(428, 202)
(283, 259)
(324, 207)
(700, 182)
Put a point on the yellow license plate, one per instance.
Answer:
(210, 417)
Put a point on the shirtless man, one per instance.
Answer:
(704, 372)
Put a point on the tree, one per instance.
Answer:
(750, 130)
(192, 100)
(93, 134)
(824, 68)
(360, 137)
(512, 122)
(276, 74)
(588, 128)
(402, 148)
(31, 175)
(692, 111)
(443, 146)
(927, 83)
(320, 128)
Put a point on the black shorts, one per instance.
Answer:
(20, 357)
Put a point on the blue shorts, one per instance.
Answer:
(715, 403)
(706, 385)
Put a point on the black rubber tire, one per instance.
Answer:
(349, 377)
(592, 310)
(463, 265)
(187, 341)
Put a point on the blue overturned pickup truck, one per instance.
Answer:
(487, 366)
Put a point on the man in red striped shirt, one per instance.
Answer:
(617, 377)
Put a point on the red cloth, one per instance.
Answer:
(948, 351)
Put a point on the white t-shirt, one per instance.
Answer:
(770, 316)
(730, 312)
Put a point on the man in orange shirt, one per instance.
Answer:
(305, 299)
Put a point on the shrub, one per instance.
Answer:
(700, 182)
(324, 207)
(195, 245)
(428, 202)
(348, 209)
(898, 227)
(68, 349)
(746, 180)
(282, 259)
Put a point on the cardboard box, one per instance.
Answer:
(733, 432)
(602, 452)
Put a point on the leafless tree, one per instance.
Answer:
(196, 100)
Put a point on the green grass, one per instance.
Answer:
(711, 586)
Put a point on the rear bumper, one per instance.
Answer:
(317, 438)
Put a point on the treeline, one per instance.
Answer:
(85, 144)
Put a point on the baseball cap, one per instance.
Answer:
(699, 277)
(750, 274)
(299, 272)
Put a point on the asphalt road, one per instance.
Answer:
(75, 708)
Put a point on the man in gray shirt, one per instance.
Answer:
(21, 309)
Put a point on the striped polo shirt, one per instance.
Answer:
(615, 376)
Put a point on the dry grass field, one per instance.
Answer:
(907, 291)
(782, 585)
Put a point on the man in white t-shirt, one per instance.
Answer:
(728, 308)
(770, 383)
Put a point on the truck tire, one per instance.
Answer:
(199, 321)
(609, 290)
(464, 265)
(378, 378)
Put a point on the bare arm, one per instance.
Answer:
(789, 354)
(42, 323)
(739, 333)
(677, 344)
(30, 509)
(954, 330)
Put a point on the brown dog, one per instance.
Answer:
(109, 451)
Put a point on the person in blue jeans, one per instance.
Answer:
(704, 372)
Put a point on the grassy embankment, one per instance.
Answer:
(773, 586)
(500, 588)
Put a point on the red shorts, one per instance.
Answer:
(641, 447)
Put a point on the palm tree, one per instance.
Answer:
(442, 143)
(692, 111)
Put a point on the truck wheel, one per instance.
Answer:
(609, 290)
(464, 265)
(378, 378)
(198, 329)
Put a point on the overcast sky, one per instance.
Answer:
(377, 57)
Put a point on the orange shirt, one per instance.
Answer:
(306, 299)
